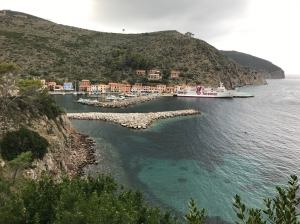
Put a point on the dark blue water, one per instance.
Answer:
(242, 146)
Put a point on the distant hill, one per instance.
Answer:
(264, 68)
(57, 52)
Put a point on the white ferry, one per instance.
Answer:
(202, 92)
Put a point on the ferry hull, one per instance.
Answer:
(227, 94)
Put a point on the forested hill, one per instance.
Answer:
(57, 52)
(265, 68)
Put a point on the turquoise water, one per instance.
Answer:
(242, 146)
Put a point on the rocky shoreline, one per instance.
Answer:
(132, 120)
(84, 152)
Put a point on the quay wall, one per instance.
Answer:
(132, 120)
(123, 103)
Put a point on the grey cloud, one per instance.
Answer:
(204, 18)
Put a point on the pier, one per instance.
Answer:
(132, 120)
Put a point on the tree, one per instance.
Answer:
(189, 34)
(195, 216)
(282, 209)
(29, 87)
(23, 160)
(8, 68)
(8, 88)
(23, 140)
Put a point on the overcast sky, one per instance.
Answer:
(268, 29)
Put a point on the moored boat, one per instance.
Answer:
(202, 92)
(110, 98)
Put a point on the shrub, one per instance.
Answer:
(23, 140)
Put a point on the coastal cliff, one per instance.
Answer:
(68, 151)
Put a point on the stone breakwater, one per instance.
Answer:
(132, 120)
(123, 103)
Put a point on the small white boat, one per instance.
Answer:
(110, 97)
(130, 95)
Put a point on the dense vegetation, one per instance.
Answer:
(78, 200)
(23, 140)
(55, 52)
(101, 200)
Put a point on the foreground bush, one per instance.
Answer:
(79, 201)
(100, 200)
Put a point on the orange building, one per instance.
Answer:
(119, 87)
(153, 89)
(146, 89)
(103, 88)
(58, 88)
(141, 72)
(170, 89)
(154, 77)
(161, 88)
(51, 85)
(127, 88)
(85, 86)
(174, 74)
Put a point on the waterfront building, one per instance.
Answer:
(137, 88)
(115, 87)
(68, 86)
(126, 88)
(170, 89)
(146, 89)
(95, 88)
(103, 88)
(51, 85)
(58, 88)
(85, 86)
(161, 88)
(153, 89)
(44, 85)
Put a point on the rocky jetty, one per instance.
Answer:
(123, 103)
(132, 120)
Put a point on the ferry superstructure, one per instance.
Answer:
(202, 92)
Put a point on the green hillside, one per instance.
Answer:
(266, 68)
(56, 52)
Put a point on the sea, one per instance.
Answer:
(244, 146)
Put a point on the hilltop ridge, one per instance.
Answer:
(57, 52)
